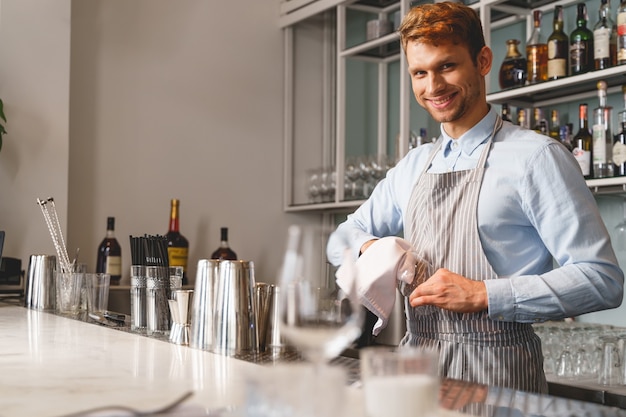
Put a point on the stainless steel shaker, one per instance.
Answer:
(235, 328)
(40, 291)
(207, 273)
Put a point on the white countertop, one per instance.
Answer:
(51, 365)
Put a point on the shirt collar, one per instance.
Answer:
(474, 137)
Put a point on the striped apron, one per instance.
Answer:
(441, 224)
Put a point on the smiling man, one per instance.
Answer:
(488, 206)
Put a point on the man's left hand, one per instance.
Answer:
(452, 292)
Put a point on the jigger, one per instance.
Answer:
(180, 308)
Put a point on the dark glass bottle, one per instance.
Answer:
(110, 254)
(604, 39)
(619, 142)
(513, 68)
(581, 44)
(583, 143)
(536, 53)
(506, 113)
(558, 47)
(177, 244)
(224, 251)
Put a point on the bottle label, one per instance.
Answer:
(584, 160)
(556, 68)
(619, 153)
(601, 38)
(599, 144)
(113, 265)
(621, 23)
(178, 256)
(577, 53)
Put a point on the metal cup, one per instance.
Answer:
(264, 293)
(40, 283)
(180, 305)
(274, 341)
(234, 317)
(207, 273)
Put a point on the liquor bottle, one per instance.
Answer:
(621, 33)
(558, 47)
(583, 143)
(604, 39)
(602, 138)
(565, 135)
(522, 118)
(541, 125)
(513, 69)
(224, 251)
(177, 244)
(555, 125)
(619, 142)
(581, 44)
(536, 53)
(506, 116)
(110, 254)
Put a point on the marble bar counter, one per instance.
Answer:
(52, 366)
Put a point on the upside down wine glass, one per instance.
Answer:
(317, 317)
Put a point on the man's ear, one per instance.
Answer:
(484, 60)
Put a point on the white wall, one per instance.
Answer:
(34, 85)
(166, 100)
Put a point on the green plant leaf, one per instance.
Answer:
(2, 111)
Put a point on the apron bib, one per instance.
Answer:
(441, 224)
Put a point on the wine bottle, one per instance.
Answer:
(558, 47)
(619, 142)
(583, 143)
(602, 139)
(224, 252)
(110, 254)
(555, 125)
(536, 53)
(621, 33)
(604, 39)
(177, 244)
(581, 44)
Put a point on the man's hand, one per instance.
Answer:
(452, 292)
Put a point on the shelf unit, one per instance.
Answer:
(493, 13)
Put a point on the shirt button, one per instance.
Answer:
(455, 144)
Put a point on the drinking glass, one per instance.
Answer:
(317, 317)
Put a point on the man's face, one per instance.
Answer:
(448, 84)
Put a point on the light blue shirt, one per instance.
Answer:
(534, 206)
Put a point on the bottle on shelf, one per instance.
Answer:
(565, 135)
(602, 138)
(555, 125)
(604, 38)
(513, 69)
(558, 47)
(621, 33)
(177, 244)
(536, 53)
(541, 125)
(522, 118)
(619, 142)
(506, 115)
(224, 252)
(110, 254)
(581, 44)
(583, 142)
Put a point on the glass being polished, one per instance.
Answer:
(489, 205)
